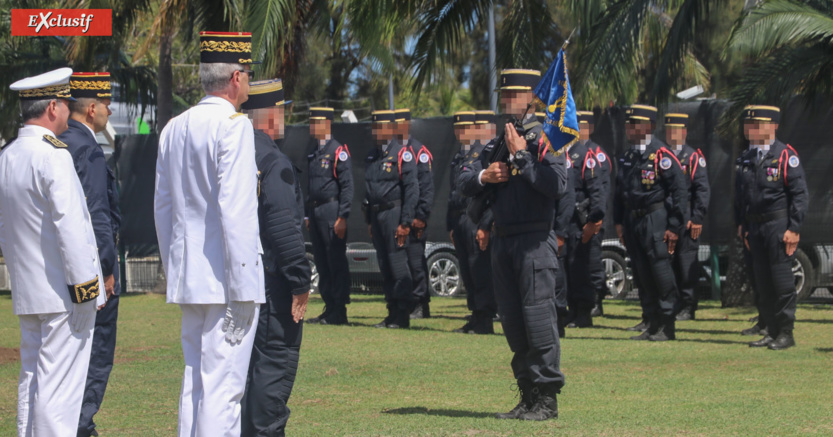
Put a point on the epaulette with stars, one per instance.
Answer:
(54, 142)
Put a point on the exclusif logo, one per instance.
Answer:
(62, 22)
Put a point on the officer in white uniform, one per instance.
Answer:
(49, 247)
(206, 223)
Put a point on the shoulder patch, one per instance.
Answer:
(423, 158)
(531, 136)
(342, 156)
(54, 141)
(601, 157)
(235, 115)
(407, 156)
(702, 162)
(793, 161)
(591, 163)
(665, 163)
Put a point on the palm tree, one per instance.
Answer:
(644, 43)
(791, 42)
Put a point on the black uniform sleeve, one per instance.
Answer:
(564, 209)
(410, 190)
(452, 188)
(548, 175)
(280, 227)
(619, 195)
(92, 172)
(739, 208)
(467, 179)
(486, 221)
(674, 185)
(797, 196)
(426, 190)
(344, 170)
(700, 190)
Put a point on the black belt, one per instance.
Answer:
(523, 228)
(317, 203)
(379, 207)
(642, 212)
(767, 216)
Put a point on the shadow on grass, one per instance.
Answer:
(827, 322)
(824, 350)
(687, 340)
(438, 412)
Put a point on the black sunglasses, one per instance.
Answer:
(251, 74)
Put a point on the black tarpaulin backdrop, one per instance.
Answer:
(809, 135)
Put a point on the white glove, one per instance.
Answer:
(239, 316)
(81, 316)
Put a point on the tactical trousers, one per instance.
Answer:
(330, 253)
(686, 270)
(652, 266)
(561, 290)
(475, 265)
(524, 268)
(101, 363)
(393, 260)
(774, 279)
(756, 295)
(583, 261)
(418, 266)
(274, 363)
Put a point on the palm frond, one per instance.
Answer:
(525, 30)
(444, 24)
(786, 72)
(778, 22)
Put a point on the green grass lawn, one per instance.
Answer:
(427, 381)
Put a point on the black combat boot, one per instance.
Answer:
(388, 320)
(468, 326)
(685, 314)
(758, 329)
(320, 317)
(525, 392)
(598, 309)
(581, 320)
(417, 313)
(337, 317)
(546, 404)
(784, 340)
(764, 342)
(666, 332)
(483, 323)
(643, 325)
(426, 310)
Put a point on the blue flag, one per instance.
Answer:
(561, 124)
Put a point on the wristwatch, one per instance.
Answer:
(520, 154)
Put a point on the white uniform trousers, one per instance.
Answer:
(215, 372)
(53, 371)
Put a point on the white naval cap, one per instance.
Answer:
(50, 85)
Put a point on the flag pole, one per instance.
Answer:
(567, 41)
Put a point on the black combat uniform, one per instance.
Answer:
(99, 185)
(416, 245)
(587, 177)
(391, 196)
(686, 267)
(645, 179)
(772, 200)
(277, 342)
(525, 264)
(329, 197)
(475, 264)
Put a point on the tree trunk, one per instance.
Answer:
(164, 92)
(738, 289)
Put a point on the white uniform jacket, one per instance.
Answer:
(45, 230)
(205, 206)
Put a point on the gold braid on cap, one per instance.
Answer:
(90, 84)
(61, 90)
(226, 46)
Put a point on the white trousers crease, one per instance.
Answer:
(215, 373)
(53, 371)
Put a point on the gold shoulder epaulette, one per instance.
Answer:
(236, 114)
(54, 141)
